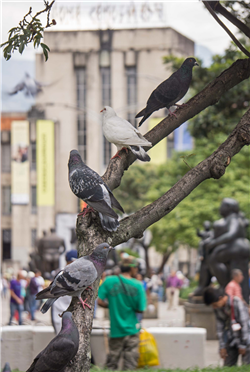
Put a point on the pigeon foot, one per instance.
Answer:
(84, 303)
(117, 154)
(85, 211)
(172, 114)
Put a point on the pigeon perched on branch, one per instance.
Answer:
(76, 277)
(87, 185)
(60, 351)
(123, 134)
(169, 91)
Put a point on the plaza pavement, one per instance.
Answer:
(167, 318)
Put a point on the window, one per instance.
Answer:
(33, 200)
(6, 157)
(6, 200)
(81, 117)
(6, 244)
(33, 155)
(33, 237)
(106, 101)
(131, 93)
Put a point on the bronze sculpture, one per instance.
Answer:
(227, 248)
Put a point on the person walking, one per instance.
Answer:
(33, 290)
(16, 299)
(233, 288)
(232, 323)
(173, 290)
(125, 297)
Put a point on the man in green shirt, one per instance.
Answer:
(126, 297)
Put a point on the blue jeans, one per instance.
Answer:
(32, 305)
(13, 308)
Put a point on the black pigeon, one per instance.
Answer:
(60, 351)
(87, 185)
(76, 277)
(169, 91)
(6, 367)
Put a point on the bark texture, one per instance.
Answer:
(89, 230)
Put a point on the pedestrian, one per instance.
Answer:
(233, 288)
(124, 296)
(16, 299)
(154, 284)
(173, 290)
(232, 323)
(33, 290)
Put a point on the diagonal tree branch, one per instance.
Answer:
(239, 45)
(216, 5)
(210, 95)
(212, 167)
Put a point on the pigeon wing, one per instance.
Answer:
(17, 88)
(76, 276)
(168, 91)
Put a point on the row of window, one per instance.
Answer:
(6, 242)
(6, 200)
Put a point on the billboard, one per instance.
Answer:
(45, 157)
(158, 153)
(20, 162)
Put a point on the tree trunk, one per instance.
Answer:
(165, 258)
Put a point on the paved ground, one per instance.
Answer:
(166, 319)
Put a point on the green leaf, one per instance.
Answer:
(21, 47)
(45, 46)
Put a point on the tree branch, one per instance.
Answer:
(239, 45)
(216, 5)
(210, 95)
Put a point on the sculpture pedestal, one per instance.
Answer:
(202, 316)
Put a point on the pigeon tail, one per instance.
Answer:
(144, 118)
(140, 153)
(115, 203)
(44, 294)
(141, 113)
(47, 305)
(108, 223)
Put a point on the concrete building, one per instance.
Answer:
(87, 70)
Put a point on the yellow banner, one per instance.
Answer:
(158, 153)
(45, 162)
(19, 162)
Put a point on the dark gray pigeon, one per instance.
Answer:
(60, 351)
(76, 277)
(87, 185)
(6, 367)
(169, 91)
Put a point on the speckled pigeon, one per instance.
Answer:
(6, 367)
(169, 91)
(87, 185)
(60, 351)
(123, 134)
(76, 277)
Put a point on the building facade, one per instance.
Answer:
(86, 71)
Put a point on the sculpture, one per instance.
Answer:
(48, 250)
(227, 247)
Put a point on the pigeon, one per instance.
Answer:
(169, 91)
(123, 134)
(60, 351)
(28, 85)
(76, 277)
(6, 367)
(87, 185)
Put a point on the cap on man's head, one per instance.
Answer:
(71, 255)
(129, 261)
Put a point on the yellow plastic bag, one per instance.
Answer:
(148, 351)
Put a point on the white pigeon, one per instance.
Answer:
(123, 134)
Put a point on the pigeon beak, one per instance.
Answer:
(196, 64)
(111, 248)
(102, 110)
